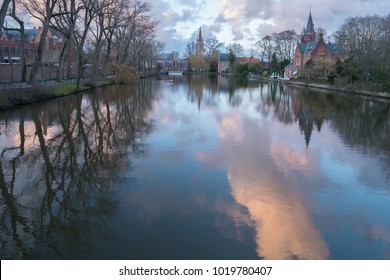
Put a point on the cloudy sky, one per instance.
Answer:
(246, 21)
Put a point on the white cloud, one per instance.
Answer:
(247, 21)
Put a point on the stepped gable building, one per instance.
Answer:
(200, 44)
(311, 46)
(10, 45)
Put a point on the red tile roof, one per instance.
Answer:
(248, 60)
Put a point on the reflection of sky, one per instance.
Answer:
(226, 179)
(295, 196)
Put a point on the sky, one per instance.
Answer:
(247, 21)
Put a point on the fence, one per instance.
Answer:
(12, 73)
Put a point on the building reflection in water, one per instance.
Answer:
(218, 161)
(265, 173)
(284, 229)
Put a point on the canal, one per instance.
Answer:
(196, 168)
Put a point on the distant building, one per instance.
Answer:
(223, 62)
(248, 60)
(200, 44)
(161, 61)
(10, 46)
(311, 47)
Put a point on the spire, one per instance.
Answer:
(200, 34)
(200, 44)
(310, 25)
(303, 31)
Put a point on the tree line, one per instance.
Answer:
(120, 31)
(277, 49)
(366, 41)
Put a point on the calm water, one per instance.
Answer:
(203, 168)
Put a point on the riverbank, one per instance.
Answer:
(338, 88)
(22, 94)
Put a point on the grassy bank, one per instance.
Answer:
(11, 97)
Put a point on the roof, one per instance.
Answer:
(163, 56)
(248, 60)
(303, 32)
(224, 56)
(29, 33)
(200, 34)
(310, 25)
(335, 49)
(308, 47)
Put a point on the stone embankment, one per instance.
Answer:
(338, 88)
(15, 94)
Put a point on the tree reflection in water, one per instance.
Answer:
(69, 152)
(62, 165)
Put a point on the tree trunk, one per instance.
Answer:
(64, 52)
(3, 12)
(38, 57)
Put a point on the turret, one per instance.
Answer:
(308, 33)
(310, 25)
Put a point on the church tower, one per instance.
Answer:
(308, 34)
(200, 44)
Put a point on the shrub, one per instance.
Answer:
(124, 74)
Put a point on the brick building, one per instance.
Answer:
(10, 53)
(10, 45)
(311, 47)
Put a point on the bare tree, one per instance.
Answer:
(43, 11)
(98, 28)
(212, 44)
(190, 48)
(65, 22)
(3, 12)
(136, 14)
(114, 19)
(81, 35)
(145, 30)
(237, 49)
(252, 53)
(265, 48)
(284, 43)
(22, 40)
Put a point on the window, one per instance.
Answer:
(12, 50)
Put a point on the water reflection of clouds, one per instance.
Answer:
(281, 187)
(230, 126)
(283, 226)
(361, 203)
(30, 139)
(287, 159)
